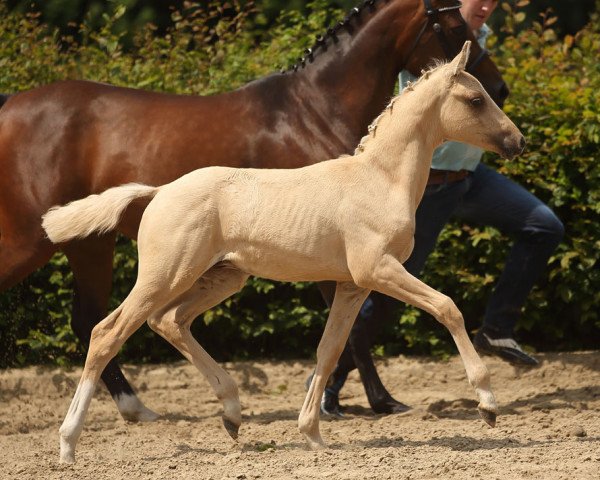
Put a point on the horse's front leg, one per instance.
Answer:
(346, 304)
(388, 276)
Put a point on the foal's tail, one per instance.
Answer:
(94, 214)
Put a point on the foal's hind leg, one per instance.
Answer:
(174, 321)
(91, 261)
(106, 340)
(346, 304)
(107, 337)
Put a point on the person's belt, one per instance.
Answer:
(438, 177)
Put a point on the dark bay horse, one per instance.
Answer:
(70, 139)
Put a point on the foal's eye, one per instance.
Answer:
(476, 102)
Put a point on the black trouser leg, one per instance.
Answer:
(357, 354)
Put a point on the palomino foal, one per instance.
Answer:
(350, 220)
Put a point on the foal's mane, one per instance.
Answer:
(331, 33)
(371, 130)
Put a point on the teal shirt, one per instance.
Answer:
(454, 155)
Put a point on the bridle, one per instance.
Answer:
(432, 15)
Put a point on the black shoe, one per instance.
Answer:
(506, 348)
(330, 405)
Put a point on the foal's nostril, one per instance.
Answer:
(513, 145)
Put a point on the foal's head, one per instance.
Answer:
(469, 115)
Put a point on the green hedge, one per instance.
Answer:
(554, 83)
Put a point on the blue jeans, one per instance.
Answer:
(488, 198)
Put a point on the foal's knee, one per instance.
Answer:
(449, 314)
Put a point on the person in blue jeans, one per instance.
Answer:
(460, 187)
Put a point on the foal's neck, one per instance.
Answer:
(403, 139)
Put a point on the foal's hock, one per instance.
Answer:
(202, 235)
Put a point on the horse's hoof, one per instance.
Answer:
(144, 414)
(390, 406)
(488, 416)
(232, 428)
(148, 416)
(133, 410)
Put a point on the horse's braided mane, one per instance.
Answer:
(321, 40)
(425, 74)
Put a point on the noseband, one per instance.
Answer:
(432, 15)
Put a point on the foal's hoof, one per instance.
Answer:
(488, 416)
(67, 451)
(232, 428)
(67, 458)
(315, 442)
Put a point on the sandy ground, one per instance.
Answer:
(549, 426)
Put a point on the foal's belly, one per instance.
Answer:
(287, 266)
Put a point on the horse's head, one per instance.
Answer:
(442, 33)
(469, 115)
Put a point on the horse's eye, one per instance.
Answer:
(460, 30)
(476, 102)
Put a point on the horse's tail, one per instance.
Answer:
(94, 214)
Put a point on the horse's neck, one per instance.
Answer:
(359, 70)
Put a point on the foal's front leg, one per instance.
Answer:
(388, 276)
(346, 304)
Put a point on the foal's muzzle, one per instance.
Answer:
(513, 146)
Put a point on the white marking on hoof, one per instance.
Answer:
(487, 401)
(316, 442)
(232, 410)
(67, 451)
(133, 410)
(312, 436)
(72, 425)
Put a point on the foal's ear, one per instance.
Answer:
(460, 61)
